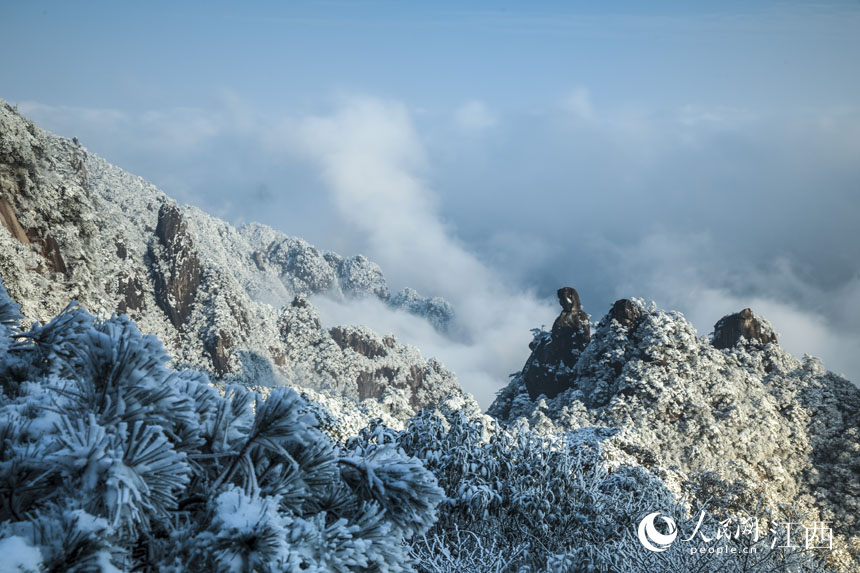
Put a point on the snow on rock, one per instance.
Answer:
(438, 311)
(221, 299)
(744, 325)
(731, 425)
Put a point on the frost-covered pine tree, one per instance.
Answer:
(110, 460)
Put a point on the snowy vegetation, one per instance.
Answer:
(238, 285)
(111, 461)
(733, 428)
(519, 500)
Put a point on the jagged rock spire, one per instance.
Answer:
(546, 370)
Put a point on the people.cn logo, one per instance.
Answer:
(653, 540)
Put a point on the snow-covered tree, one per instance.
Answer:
(518, 500)
(111, 460)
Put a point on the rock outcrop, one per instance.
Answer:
(626, 313)
(230, 301)
(177, 267)
(10, 221)
(743, 325)
(730, 426)
(554, 354)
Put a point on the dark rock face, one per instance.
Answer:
(176, 273)
(229, 323)
(374, 383)
(571, 323)
(730, 329)
(626, 313)
(220, 349)
(354, 340)
(10, 221)
(548, 369)
(132, 292)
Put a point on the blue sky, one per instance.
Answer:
(705, 155)
(517, 55)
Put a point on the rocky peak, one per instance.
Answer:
(572, 322)
(231, 301)
(626, 313)
(731, 429)
(554, 356)
(176, 267)
(730, 329)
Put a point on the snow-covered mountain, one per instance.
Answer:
(233, 302)
(606, 423)
(730, 419)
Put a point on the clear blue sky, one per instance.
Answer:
(702, 154)
(433, 54)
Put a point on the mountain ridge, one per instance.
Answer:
(230, 301)
(729, 419)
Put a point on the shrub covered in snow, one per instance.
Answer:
(109, 460)
(518, 500)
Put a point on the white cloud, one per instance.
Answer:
(685, 273)
(474, 115)
(535, 204)
(578, 103)
(370, 157)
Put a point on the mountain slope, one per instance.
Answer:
(233, 302)
(728, 420)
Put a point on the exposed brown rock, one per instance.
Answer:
(372, 384)
(48, 248)
(178, 271)
(357, 341)
(231, 327)
(46, 244)
(220, 350)
(10, 221)
(416, 376)
(257, 257)
(731, 328)
(277, 356)
(626, 313)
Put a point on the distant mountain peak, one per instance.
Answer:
(221, 299)
(731, 419)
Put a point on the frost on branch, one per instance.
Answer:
(111, 461)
